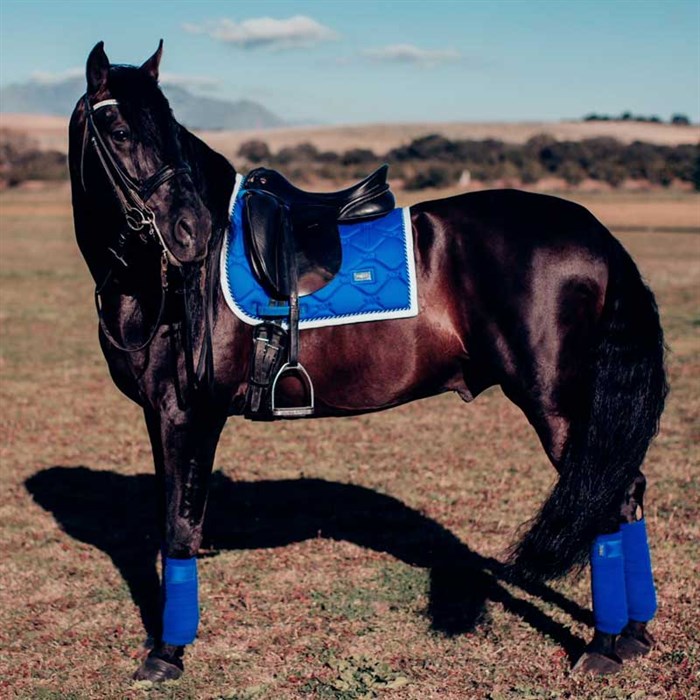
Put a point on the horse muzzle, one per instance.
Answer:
(187, 240)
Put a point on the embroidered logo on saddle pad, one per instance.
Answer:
(376, 281)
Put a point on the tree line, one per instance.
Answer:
(428, 161)
(436, 161)
(676, 119)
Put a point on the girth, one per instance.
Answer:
(293, 243)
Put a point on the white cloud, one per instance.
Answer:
(295, 32)
(44, 77)
(408, 53)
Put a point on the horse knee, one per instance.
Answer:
(182, 538)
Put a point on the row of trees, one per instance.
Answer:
(676, 119)
(434, 161)
(429, 161)
(21, 159)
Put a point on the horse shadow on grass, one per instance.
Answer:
(116, 513)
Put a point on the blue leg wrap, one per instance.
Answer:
(608, 584)
(639, 579)
(181, 604)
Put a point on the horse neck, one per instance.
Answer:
(213, 174)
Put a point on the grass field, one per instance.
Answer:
(344, 559)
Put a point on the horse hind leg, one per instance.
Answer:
(622, 587)
(635, 639)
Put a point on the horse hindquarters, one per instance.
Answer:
(608, 434)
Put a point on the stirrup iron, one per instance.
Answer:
(293, 411)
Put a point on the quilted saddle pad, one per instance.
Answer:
(376, 281)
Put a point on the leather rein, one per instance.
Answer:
(133, 199)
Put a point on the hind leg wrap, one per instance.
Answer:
(639, 577)
(608, 583)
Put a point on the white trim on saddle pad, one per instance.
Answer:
(381, 315)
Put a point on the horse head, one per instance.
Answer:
(129, 154)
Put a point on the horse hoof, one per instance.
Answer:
(157, 670)
(634, 641)
(599, 664)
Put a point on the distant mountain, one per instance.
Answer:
(194, 111)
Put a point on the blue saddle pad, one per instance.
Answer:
(376, 281)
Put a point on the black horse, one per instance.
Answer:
(524, 291)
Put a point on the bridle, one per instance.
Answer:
(132, 195)
(133, 199)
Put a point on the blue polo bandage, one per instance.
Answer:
(639, 579)
(180, 601)
(608, 584)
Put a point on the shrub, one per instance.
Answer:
(433, 176)
(680, 120)
(254, 151)
(358, 156)
(21, 159)
(302, 152)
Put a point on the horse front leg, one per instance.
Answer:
(184, 443)
(622, 583)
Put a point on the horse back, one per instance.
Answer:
(505, 279)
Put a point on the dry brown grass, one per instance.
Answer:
(52, 132)
(291, 608)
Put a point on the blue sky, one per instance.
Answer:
(361, 61)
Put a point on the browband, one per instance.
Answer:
(104, 103)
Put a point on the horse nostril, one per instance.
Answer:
(184, 231)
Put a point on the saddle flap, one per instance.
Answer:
(317, 247)
(287, 246)
(269, 244)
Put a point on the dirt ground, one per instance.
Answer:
(344, 559)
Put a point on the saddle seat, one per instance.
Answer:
(293, 243)
(366, 199)
(294, 232)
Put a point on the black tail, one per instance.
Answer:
(605, 451)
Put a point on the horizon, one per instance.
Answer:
(538, 61)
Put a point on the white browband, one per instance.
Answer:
(104, 103)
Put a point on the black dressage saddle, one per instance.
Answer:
(293, 243)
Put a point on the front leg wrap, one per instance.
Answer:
(180, 601)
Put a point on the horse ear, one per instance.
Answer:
(150, 67)
(97, 69)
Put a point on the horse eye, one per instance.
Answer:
(120, 135)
